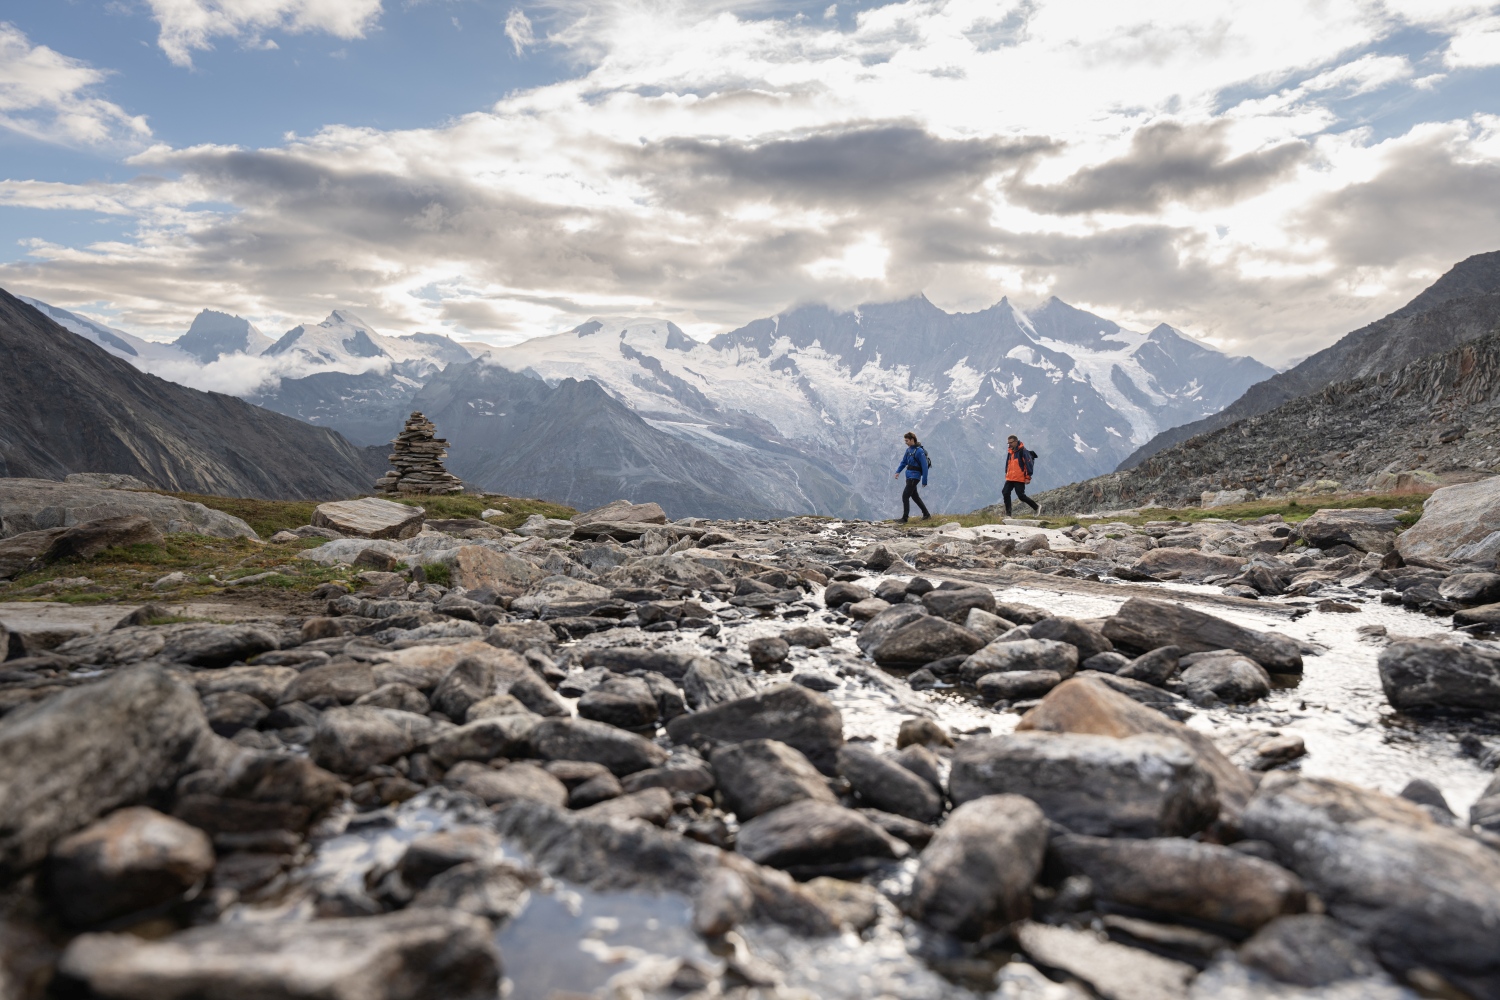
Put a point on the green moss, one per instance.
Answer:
(436, 573)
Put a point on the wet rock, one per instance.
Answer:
(1425, 674)
(853, 904)
(430, 854)
(626, 702)
(811, 834)
(887, 785)
(1369, 529)
(494, 891)
(1308, 949)
(230, 711)
(1227, 676)
(954, 605)
(1486, 614)
(1082, 705)
(1087, 639)
(986, 625)
(836, 595)
(923, 640)
(399, 696)
(922, 732)
(89, 750)
(1165, 702)
(583, 739)
(758, 776)
(708, 683)
(815, 680)
(599, 788)
(1156, 667)
(1000, 656)
(1109, 662)
(1142, 625)
(979, 869)
(1485, 813)
(651, 805)
(922, 762)
(1453, 518)
(768, 652)
(484, 739)
(1436, 900)
(723, 902)
(1187, 565)
(1139, 786)
(253, 792)
(352, 740)
(1183, 878)
(1017, 685)
(1114, 971)
(867, 609)
(1470, 588)
(344, 683)
(808, 636)
(882, 625)
(131, 860)
(513, 782)
(411, 955)
(794, 715)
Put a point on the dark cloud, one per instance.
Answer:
(1168, 161)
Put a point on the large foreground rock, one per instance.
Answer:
(1142, 625)
(1424, 674)
(133, 859)
(370, 517)
(792, 714)
(1084, 705)
(582, 739)
(979, 869)
(1188, 565)
(814, 834)
(35, 504)
(1452, 518)
(1140, 786)
(419, 954)
(80, 754)
(1183, 878)
(758, 776)
(1425, 895)
(1115, 971)
(1369, 529)
(352, 740)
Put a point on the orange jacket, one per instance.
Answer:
(1018, 465)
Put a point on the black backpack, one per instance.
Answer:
(928, 455)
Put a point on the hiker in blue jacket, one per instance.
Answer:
(915, 463)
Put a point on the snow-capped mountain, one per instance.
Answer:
(838, 389)
(215, 334)
(344, 342)
(136, 350)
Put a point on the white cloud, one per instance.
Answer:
(189, 25)
(1156, 161)
(1477, 43)
(47, 95)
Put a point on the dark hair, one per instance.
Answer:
(912, 437)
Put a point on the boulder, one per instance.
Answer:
(1369, 529)
(625, 660)
(403, 697)
(758, 776)
(836, 595)
(344, 682)
(1453, 518)
(88, 751)
(624, 512)
(1485, 813)
(430, 854)
(1017, 685)
(412, 955)
(1086, 705)
(22, 552)
(582, 739)
(1484, 614)
(1165, 702)
(1142, 625)
(977, 872)
(1423, 894)
(1114, 971)
(1182, 879)
(231, 711)
(626, 702)
(652, 805)
(954, 605)
(511, 783)
(1225, 676)
(257, 791)
(1308, 949)
(265, 684)
(1429, 675)
(352, 740)
(1139, 786)
(1187, 565)
(888, 786)
(986, 625)
(923, 640)
(87, 540)
(708, 683)
(787, 712)
(813, 834)
(877, 629)
(1470, 588)
(467, 682)
(1087, 639)
(131, 860)
(475, 567)
(484, 739)
(495, 891)
(369, 517)
(38, 504)
(863, 611)
(1000, 656)
(1156, 667)
(768, 652)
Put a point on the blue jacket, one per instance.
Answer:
(915, 463)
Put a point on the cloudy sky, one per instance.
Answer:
(1264, 175)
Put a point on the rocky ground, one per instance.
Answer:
(1431, 422)
(612, 756)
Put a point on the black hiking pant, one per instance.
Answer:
(910, 494)
(1020, 490)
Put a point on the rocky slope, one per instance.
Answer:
(1437, 417)
(1460, 306)
(68, 406)
(648, 759)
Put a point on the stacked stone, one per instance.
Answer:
(418, 460)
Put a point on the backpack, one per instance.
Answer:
(928, 455)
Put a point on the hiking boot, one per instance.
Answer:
(1039, 509)
(902, 521)
(927, 517)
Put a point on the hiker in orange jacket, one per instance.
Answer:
(1018, 469)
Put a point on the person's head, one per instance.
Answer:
(1013, 441)
(911, 439)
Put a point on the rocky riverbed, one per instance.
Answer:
(619, 757)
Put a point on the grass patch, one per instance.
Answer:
(515, 510)
(266, 516)
(436, 573)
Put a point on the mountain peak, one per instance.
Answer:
(214, 334)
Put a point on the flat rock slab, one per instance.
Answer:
(49, 624)
(35, 504)
(370, 517)
(1113, 970)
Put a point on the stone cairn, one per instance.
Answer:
(418, 458)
